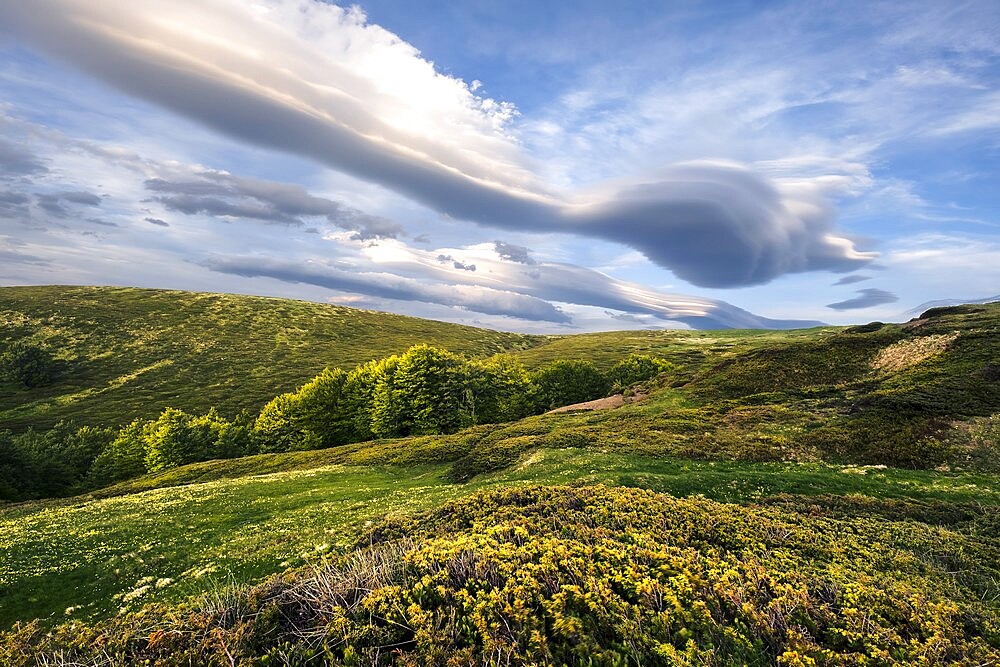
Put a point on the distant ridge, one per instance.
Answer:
(937, 303)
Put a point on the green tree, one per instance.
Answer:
(27, 364)
(277, 426)
(359, 392)
(124, 458)
(427, 392)
(637, 368)
(176, 438)
(324, 410)
(498, 390)
(565, 382)
(235, 437)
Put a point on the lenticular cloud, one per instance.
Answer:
(316, 80)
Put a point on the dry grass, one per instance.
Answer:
(908, 353)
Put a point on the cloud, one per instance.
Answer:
(869, 297)
(446, 259)
(565, 283)
(851, 279)
(157, 222)
(14, 204)
(9, 254)
(15, 160)
(384, 285)
(54, 203)
(351, 95)
(513, 253)
(220, 194)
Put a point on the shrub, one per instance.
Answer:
(566, 382)
(27, 364)
(637, 368)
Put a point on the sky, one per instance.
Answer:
(545, 167)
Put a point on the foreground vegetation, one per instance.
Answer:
(817, 497)
(594, 575)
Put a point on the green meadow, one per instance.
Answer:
(827, 496)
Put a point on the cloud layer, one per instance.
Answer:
(869, 297)
(315, 80)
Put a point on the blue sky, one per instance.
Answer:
(533, 166)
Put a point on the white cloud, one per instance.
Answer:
(316, 80)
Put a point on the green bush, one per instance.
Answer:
(566, 382)
(27, 364)
(637, 368)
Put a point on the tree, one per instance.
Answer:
(498, 390)
(27, 364)
(565, 382)
(426, 393)
(176, 438)
(324, 410)
(359, 391)
(637, 368)
(124, 458)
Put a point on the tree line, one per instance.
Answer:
(426, 390)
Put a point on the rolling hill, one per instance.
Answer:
(128, 353)
(820, 496)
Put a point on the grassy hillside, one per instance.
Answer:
(128, 353)
(832, 497)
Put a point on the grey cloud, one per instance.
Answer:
(14, 204)
(157, 221)
(448, 259)
(568, 283)
(54, 203)
(103, 223)
(513, 253)
(625, 317)
(712, 225)
(475, 298)
(81, 197)
(850, 280)
(18, 161)
(9, 256)
(869, 297)
(224, 195)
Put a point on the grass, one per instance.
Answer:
(528, 574)
(87, 554)
(779, 443)
(128, 353)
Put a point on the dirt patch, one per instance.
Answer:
(608, 403)
(907, 353)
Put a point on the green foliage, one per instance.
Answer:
(428, 392)
(135, 351)
(499, 390)
(27, 364)
(39, 464)
(567, 381)
(636, 368)
(123, 458)
(176, 438)
(588, 576)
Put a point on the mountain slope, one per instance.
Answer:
(128, 353)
